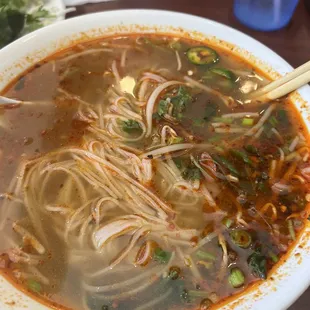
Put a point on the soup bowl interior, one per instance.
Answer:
(292, 277)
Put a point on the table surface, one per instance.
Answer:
(292, 42)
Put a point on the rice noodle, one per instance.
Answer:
(294, 144)
(123, 57)
(154, 77)
(115, 73)
(229, 101)
(142, 287)
(167, 149)
(277, 134)
(179, 63)
(74, 97)
(35, 243)
(262, 120)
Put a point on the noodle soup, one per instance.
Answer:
(139, 176)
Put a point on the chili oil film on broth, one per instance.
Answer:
(140, 178)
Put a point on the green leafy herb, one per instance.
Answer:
(161, 256)
(178, 102)
(192, 173)
(178, 162)
(15, 19)
(221, 160)
(210, 111)
(242, 156)
(34, 286)
(283, 118)
(131, 126)
(163, 106)
(252, 149)
(258, 264)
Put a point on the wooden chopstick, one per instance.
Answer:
(284, 85)
(5, 100)
(288, 87)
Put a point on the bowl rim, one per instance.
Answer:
(296, 290)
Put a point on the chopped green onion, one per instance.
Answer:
(225, 120)
(273, 121)
(236, 277)
(247, 122)
(161, 256)
(198, 293)
(202, 55)
(291, 229)
(205, 255)
(273, 257)
(34, 286)
(241, 238)
(227, 222)
(175, 140)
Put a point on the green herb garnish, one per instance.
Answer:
(15, 19)
(161, 256)
(131, 126)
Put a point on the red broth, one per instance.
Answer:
(139, 177)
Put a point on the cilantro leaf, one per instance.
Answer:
(131, 126)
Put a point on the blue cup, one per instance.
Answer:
(265, 15)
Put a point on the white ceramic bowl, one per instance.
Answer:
(291, 279)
